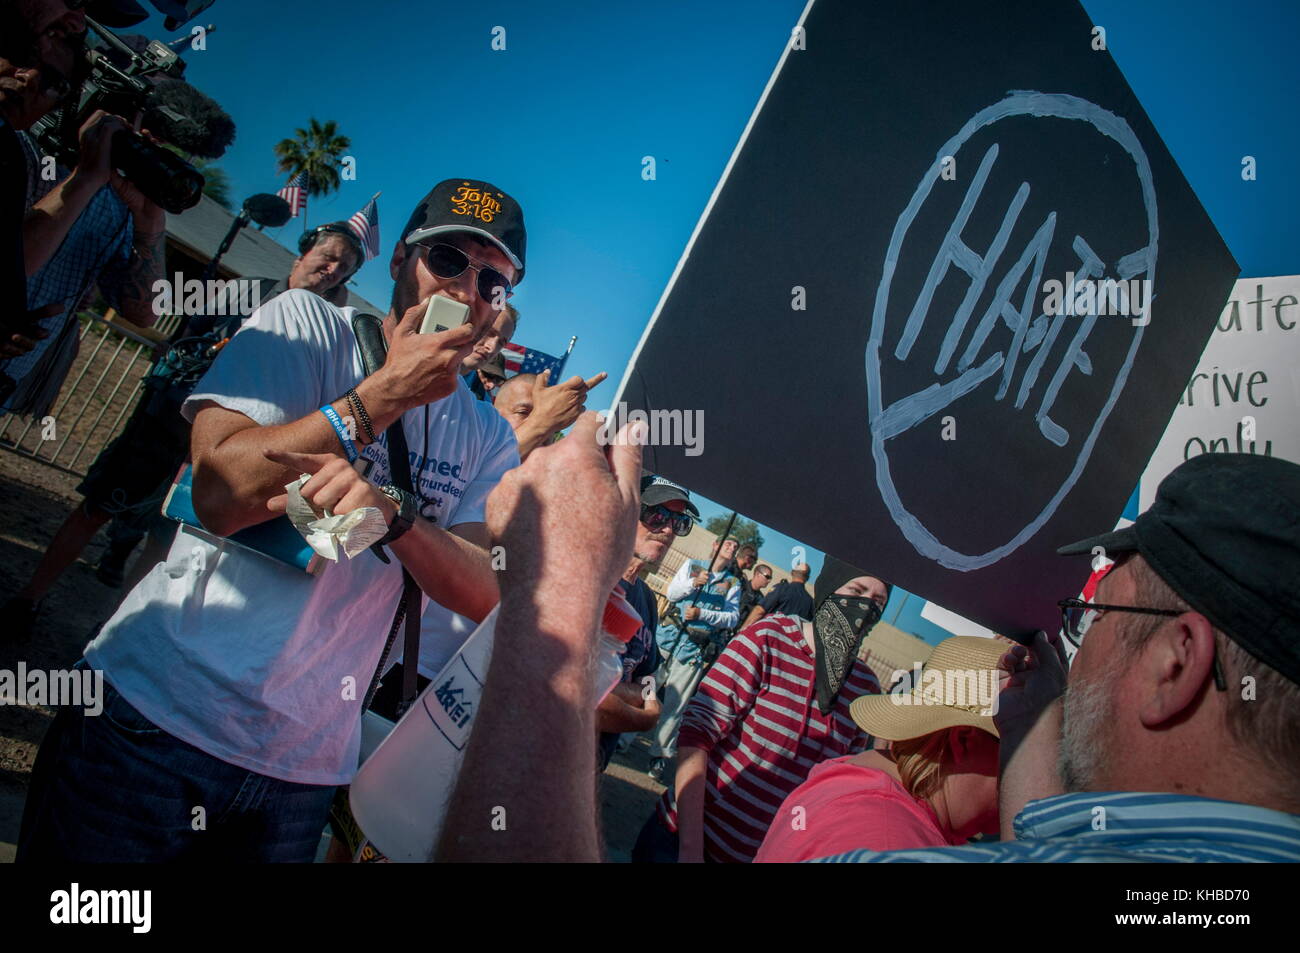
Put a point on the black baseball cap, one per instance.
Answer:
(470, 205)
(494, 366)
(655, 489)
(1224, 533)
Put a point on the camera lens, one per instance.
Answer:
(165, 179)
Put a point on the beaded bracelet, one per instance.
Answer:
(358, 408)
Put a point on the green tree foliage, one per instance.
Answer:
(216, 184)
(743, 531)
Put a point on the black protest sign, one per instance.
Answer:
(956, 267)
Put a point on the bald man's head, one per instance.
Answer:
(514, 399)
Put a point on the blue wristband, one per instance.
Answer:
(336, 422)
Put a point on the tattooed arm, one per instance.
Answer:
(135, 280)
(136, 293)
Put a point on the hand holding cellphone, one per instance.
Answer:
(443, 314)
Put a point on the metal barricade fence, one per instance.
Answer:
(97, 398)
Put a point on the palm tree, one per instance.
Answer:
(317, 150)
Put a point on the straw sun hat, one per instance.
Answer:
(958, 686)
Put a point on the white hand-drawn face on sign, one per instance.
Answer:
(1025, 377)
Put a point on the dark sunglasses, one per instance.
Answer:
(448, 261)
(655, 518)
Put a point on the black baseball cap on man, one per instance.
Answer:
(494, 367)
(655, 489)
(1224, 533)
(470, 205)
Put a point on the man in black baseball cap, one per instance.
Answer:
(288, 396)
(1176, 735)
(465, 241)
(459, 206)
(656, 490)
(666, 514)
(1223, 535)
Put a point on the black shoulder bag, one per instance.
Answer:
(370, 338)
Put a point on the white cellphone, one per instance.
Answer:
(443, 314)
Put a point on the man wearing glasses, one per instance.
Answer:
(667, 513)
(1156, 763)
(1176, 736)
(233, 683)
(752, 588)
(786, 598)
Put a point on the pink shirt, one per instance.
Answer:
(846, 807)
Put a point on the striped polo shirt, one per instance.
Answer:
(756, 714)
(1126, 827)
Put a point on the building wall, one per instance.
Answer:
(888, 650)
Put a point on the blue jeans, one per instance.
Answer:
(117, 788)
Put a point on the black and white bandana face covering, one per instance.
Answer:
(839, 626)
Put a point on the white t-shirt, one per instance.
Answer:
(252, 661)
(442, 633)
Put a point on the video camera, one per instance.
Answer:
(149, 82)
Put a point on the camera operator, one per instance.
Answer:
(93, 226)
(227, 673)
(130, 477)
(90, 226)
(27, 92)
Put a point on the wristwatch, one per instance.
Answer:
(408, 508)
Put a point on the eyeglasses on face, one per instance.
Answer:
(655, 518)
(1077, 617)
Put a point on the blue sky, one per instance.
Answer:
(562, 118)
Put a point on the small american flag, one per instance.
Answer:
(366, 224)
(295, 193)
(524, 360)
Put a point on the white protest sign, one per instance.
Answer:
(1245, 394)
(954, 623)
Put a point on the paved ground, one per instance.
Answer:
(34, 498)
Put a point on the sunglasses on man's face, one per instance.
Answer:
(448, 261)
(655, 518)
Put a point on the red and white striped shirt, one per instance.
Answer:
(756, 714)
